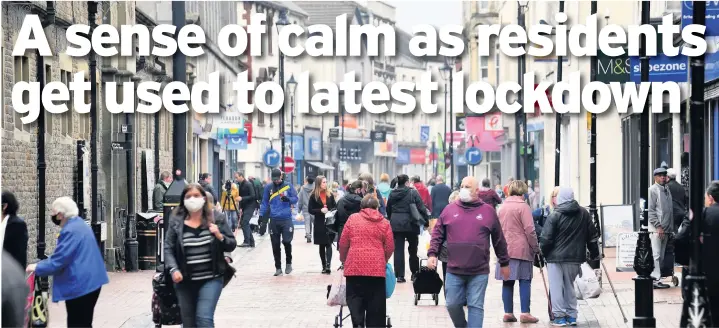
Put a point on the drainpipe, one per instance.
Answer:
(48, 20)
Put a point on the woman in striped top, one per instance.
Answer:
(196, 241)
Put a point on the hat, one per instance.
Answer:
(564, 195)
(276, 174)
(660, 171)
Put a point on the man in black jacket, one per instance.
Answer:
(248, 203)
(440, 196)
(405, 227)
(679, 199)
(566, 235)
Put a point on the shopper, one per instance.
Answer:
(365, 247)
(468, 226)
(423, 192)
(661, 221)
(487, 195)
(14, 293)
(302, 205)
(440, 197)
(405, 227)
(230, 206)
(515, 217)
(195, 245)
(277, 200)
(442, 255)
(566, 236)
(158, 194)
(348, 205)
(76, 266)
(321, 202)
(710, 244)
(16, 237)
(248, 203)
(206, 183)
(384, 187)
(370, 189)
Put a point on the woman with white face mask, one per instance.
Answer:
(196, 241)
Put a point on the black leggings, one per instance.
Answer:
(81, 310)
(326, 255)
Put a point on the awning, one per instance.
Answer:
(321, 166)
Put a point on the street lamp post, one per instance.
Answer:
(291, 87)
(340, 156)
(695, 311)
(558, 118)
(643, 258)
(91, 12)
(453, 62)
(521, 116)
(179, 121)
(282, 21)
(444, 72)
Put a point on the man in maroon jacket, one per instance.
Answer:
(423, 192)
(467, 226)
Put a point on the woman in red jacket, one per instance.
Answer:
(366, 244)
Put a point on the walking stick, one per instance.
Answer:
(613, 292)
(548, 294)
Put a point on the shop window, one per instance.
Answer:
(22, 74)
(662, 141)
(630, 159)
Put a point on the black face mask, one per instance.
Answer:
(55, 220)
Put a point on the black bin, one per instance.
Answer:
(147, 240)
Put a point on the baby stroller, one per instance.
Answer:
(427, 282)
(339, 318)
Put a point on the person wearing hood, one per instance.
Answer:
(404, 226)
(384, 186)
(487, 195)
(661, 221)
(158, 194)
(348, 205)
(302, 202)
(440, 197)
(423, 192)
(365, 247)
(567, 235)
(468, 226)
(277, 201)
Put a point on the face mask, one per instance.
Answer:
(465, 195)
(55, 220)
(194, 204)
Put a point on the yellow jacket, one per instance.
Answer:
(230, 204)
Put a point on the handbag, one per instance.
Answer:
(39, 314)
(338, 290)
(330, 218)
(228, 275)
(390, 280)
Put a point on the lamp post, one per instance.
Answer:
(291, 87)
(282, 22)
(643, 258)
(558, 116)
(91, 12)
(450, 62)
(695, 312)
(342, 136)
(521, 116)
(444, 72)
(179, 121)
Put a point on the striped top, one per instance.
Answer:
(198, 252)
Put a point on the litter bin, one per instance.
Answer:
(147, 240)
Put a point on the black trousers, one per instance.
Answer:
(284, 230)
(326, 255)
(367, 301)
(412, 240)
(81, 310)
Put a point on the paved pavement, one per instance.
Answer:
(256, 299)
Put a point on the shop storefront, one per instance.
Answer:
(385, 154)
(412, 161)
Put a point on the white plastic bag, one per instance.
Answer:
(255, 220)
(587, 286)
(338, 291)
(423, 245)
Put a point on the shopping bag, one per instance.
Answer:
(255, 219)
(390, 280)
(39, 315)
(338, 291)
(30, 281)
(587, 286)
(423, 245)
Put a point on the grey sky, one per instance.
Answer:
(437, 13)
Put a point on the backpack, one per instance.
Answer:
(258, 191)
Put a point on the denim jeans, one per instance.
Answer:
(470, 288)
(231, 218)
(525, 293)
(198, 300)
(249, 239)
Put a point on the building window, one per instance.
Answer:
(630, 159)
(270, 30)
(22, 73)
(483, 4)
(48, 116)
(66, 117)
(497, 55)
(483, 68)
(260, 118)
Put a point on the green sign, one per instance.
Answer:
(612, 69)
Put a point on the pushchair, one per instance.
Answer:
(340, 317)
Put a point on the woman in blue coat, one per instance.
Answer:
(76, 265)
